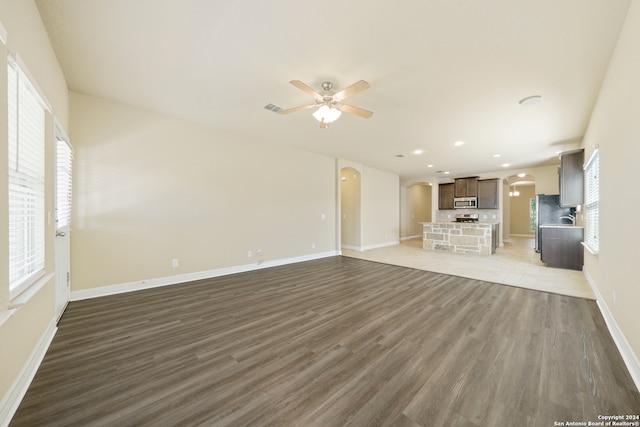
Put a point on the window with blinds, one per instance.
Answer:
(592, 203)
(26, 181)
(64, 158)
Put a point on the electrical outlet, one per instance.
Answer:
(249, 254)
(174, 262)
(313, 246)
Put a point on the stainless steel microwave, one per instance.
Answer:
(465, 202)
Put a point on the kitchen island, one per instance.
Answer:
(480, 238)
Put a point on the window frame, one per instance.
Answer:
(26, 114)
(592, 203)
(64, 179)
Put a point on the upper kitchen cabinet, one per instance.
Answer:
(466, 187)
(445, 196)
(488, 193)
(572, 178)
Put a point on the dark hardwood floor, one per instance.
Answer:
(332, 342)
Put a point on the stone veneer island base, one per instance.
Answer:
(460, 237)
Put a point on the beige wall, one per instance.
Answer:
(519, 212)
(28, 38)
(150, 189)
(615, 128)
(547, 179)
(380, 208)
(26, 322)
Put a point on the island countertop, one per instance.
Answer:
(461, 237)
(480, 222)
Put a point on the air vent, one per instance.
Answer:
(401, 155)
(273, 107)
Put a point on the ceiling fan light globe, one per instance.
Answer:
(327, 114)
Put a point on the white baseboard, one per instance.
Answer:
(376, 246)
(381, 245)
(189, 277)
(11, 401)
(417, 236)
(629, 357)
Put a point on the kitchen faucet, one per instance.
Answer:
(571, 218)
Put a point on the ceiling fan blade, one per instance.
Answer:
(348, 91)
(303, 87)
(300, 108)
(356, 110)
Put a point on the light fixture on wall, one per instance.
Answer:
(515, 192)
(326, 114)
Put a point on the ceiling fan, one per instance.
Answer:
(329, 102)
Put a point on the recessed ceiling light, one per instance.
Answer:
(530, 100)
(458, 143)
(496, 155)
(505, 165)
(447, 172)
(429, 166)
(522, 175)
(418, 151)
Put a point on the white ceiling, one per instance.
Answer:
(440, 71)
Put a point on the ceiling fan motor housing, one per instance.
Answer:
(326, 86)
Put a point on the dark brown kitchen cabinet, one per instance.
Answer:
(466, 187)
(562, 247)
(445, 196)
(572, 178)
(488, 193)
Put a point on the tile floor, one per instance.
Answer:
(515, 264)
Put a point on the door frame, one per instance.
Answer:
(62, 235)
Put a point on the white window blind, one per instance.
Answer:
(64, 158)
(592, 203)
(26, 181)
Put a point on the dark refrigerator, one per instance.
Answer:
(548, 211)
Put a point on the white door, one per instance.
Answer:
(64, 158)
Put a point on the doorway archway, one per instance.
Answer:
(518, 192)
